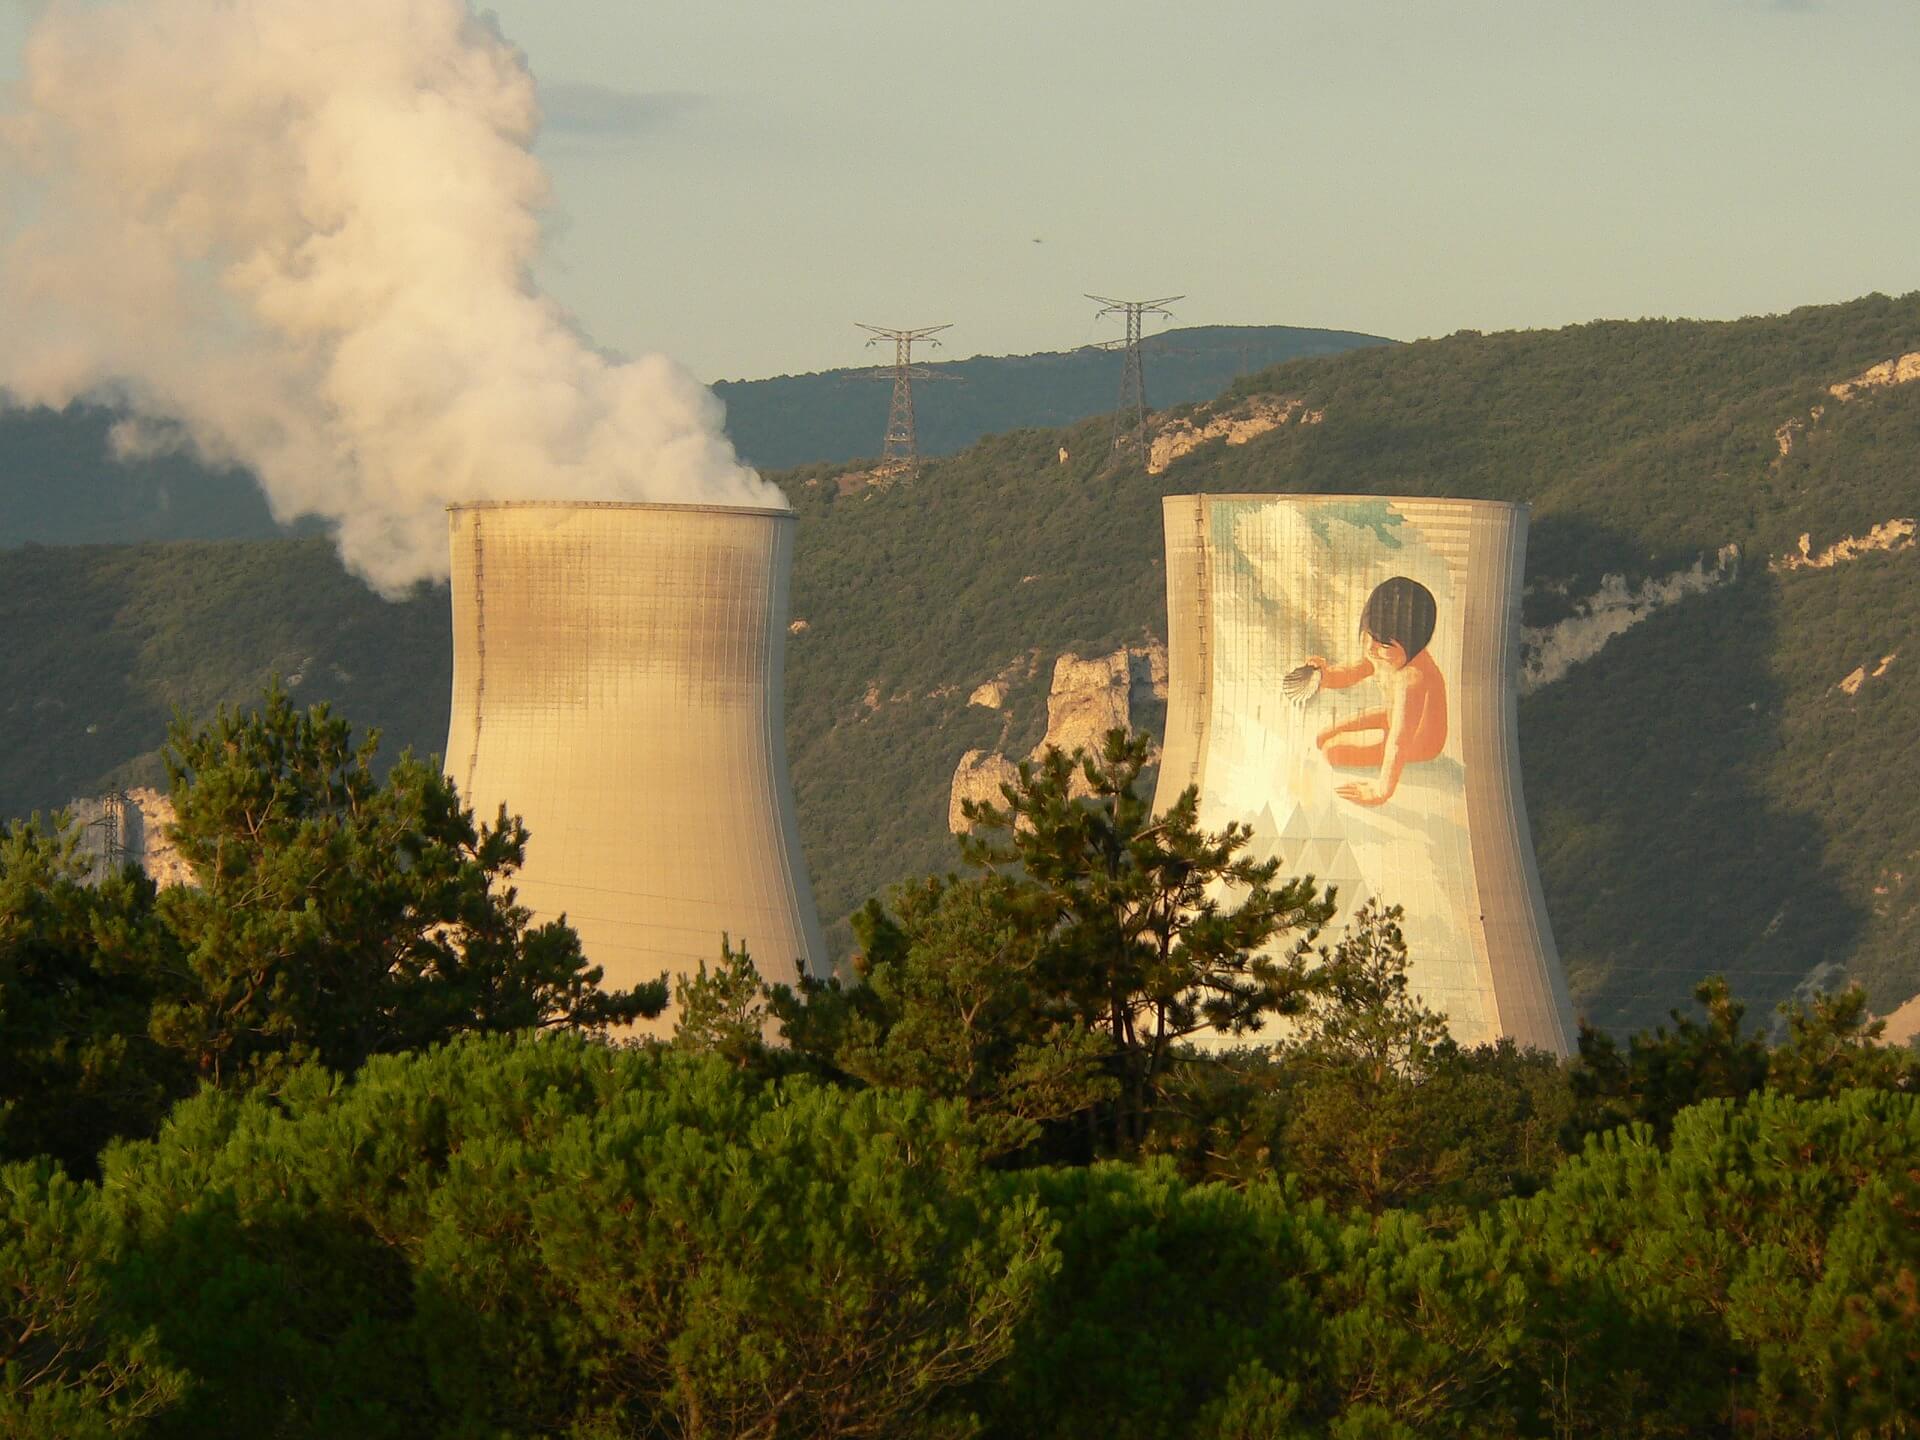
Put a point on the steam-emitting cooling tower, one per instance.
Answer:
(617, 674)
(1342, 675)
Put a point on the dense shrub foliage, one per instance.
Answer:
(535, 1236)
(522, 1237)
(1754, 1278)
(330, 1143)
(334, 915)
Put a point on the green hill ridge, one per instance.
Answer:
(1724, 786)
(840, 415)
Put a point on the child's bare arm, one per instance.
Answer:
(1339, 677)
(1393, 758)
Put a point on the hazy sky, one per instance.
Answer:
(737, 183)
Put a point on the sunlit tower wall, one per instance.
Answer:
(1393, 771)
(617, 674)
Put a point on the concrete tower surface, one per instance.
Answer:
(617, 675)
(1342, 678)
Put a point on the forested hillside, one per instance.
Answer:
(61, 483)
(1715, 789)
(99, 645)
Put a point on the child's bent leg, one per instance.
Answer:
(1372, 720)
(1356, 757)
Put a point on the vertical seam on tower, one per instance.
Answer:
(799, 898)
(479, 650)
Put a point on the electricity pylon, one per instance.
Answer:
(115, 833)
(900, 451)
(1130, 421)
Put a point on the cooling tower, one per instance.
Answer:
(1342, 679)
(617, 680)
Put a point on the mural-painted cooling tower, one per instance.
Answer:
(617, 682)
(1342, 678)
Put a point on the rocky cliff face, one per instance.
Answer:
(1903, 1025)
(1547, 652)
(1903, 370)
(978, 778)
(1234, 424)
(1088, 697)
(1895, 534)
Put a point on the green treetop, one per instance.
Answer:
(331, 915)
(336, 916)
(1155, 929)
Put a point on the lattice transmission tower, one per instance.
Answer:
(900, 451)
(115, 825)
(1130, 421)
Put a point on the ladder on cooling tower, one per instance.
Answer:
(1203, 629)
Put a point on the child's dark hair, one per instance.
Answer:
(1400, 611)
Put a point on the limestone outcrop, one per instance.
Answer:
(990, 695)
(1548, 652)
(1901, 371)
(978, 777)
(1896, 534)
(1859, 675)
(1903, 1024)
(1087, 698)
(1246, 421)
(1790, 430)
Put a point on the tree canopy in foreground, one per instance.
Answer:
(984, 1193)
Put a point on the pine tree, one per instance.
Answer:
(336, 915)
(1153, 929)
(955, 998)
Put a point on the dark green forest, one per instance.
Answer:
(62, 484)
(1703, 798)
(335, 1141)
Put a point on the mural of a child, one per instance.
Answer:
(1395, 628)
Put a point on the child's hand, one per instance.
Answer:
(1318, 662)
(1363, 792)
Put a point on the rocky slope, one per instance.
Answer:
(1125, 690)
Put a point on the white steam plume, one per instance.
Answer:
(299, 234)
